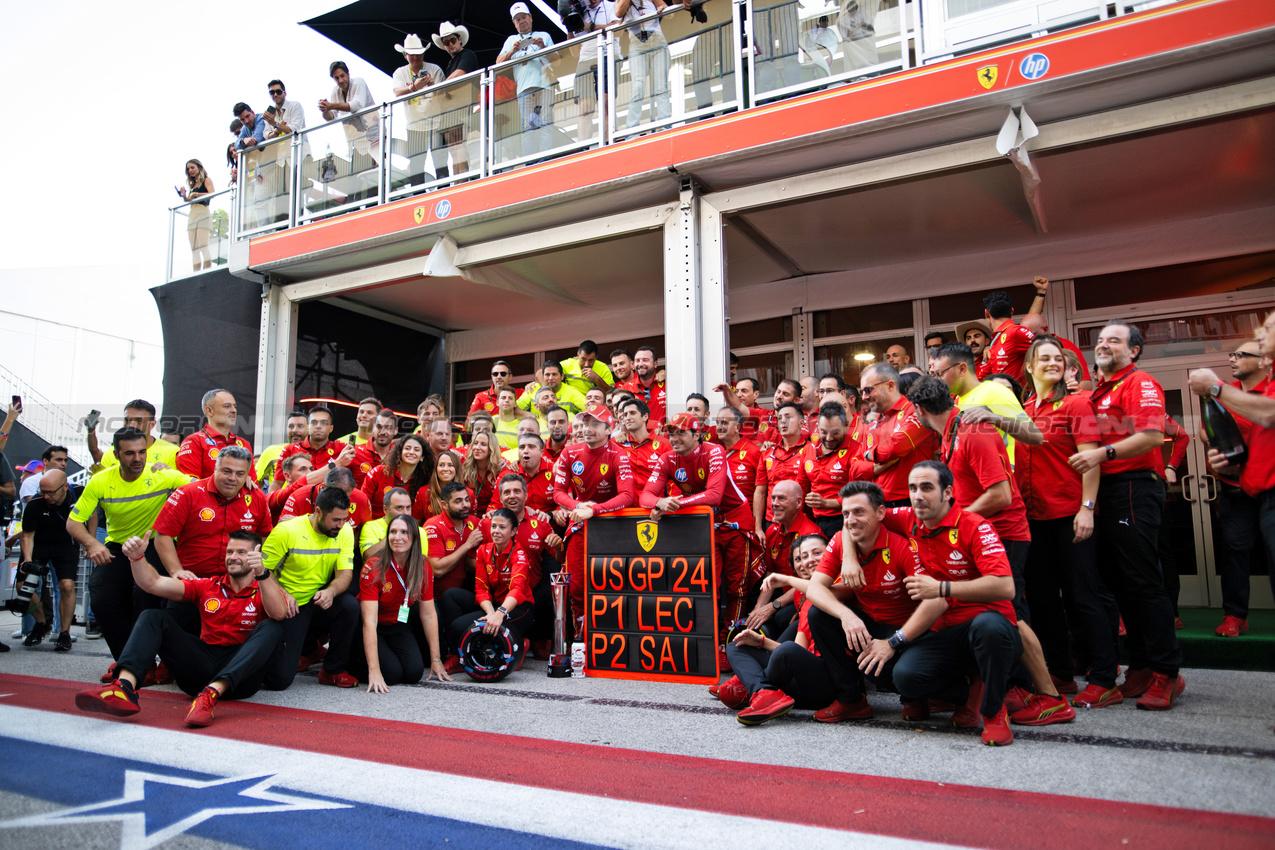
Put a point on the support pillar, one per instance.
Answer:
(696, 316)
(276, 366)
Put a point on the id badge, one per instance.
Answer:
(402, 613)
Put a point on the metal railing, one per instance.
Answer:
(202, 227)
(633, 78)
(45, 419)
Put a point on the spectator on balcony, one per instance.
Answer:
(648, 54)
(253, 134)
(422, 111)
(597, 14)
(284, 117)
(198, 219)
(351, 95)
(453, 122)
(535, 89)
(857, 25)
(253, 127)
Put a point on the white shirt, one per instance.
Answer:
(359, 97)
(533, 74)
(30, 488)
(599, 15)
(418, 108)
(638, 9)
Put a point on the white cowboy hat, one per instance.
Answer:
(449, 29)
(518, 9)
(411, 45)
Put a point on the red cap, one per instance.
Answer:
(684, 422)
(600, 413)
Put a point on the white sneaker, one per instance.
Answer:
(16, 634)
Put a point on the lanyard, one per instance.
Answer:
(956, 440)
(1108, 390)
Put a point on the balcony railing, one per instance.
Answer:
(630, 79)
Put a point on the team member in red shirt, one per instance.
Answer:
(590, 479)
(502, 596)
(558, 421)
(644, 385)
(198, 453)
(849, 619)
(451, 538)
(1036, 323)
(317, 445)
(963, 564)
(644, 448)
(536, 473)
(501, 377)
(791, 523)
(744, 459)
(194, 525)
(759, 422)
(897, 441)
(391, 655)
(782, 461)
(302, 502)
(408, 464)
(1238, 512)
(298, 472)
(984, 485)
(1130, 410)
(697, 473)
(1009, 343)
(1062, 567)
(825, 468)
(538, 538)
(371, 454)
(239, 612)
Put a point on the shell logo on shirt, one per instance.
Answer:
(912, 544)
(489, 407)
(450, 544)
(207, 514)
(809, 465)
(365, 467)
(212, 605)
(212, 453)
(385, 588)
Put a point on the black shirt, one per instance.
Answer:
(464, 61)
(48, 521)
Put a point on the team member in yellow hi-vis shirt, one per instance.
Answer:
(985, 401)
(313, 558)
(140, 414)
(297, 429)
(584, 372)
(130, 493)
(372, 535)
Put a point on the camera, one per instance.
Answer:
(643, 35)
(34, 578)
(697, 13)
(573, 18)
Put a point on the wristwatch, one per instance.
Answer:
(502, 610)
(1216, 390)
(265, 574)
(1090, 504)
(774, 603)
(1111, 452)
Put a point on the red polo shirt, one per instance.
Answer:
(1259, 470)
(1007, 351)
(539, 486)
(778, 555)
(826, 473)
(319, 457)
(201, 521)
(1127, 403)
(883, 596)
(197, 456)
(899, 436)
(1051, 489)
(963, 547)
(379, 482)
(441, 539)
(390, 590)
(655, 396)
(501, 574)
(976, 454)
(226, 618)
(532, 531)
(301, 503)
(644, 456)
(486, 400)
(420, 505)
(1245, 426)
(743, 460)
(780, 464)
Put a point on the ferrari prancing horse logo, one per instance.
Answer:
(987, 75)
(419, 214)
(647, 533)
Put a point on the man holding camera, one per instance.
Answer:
(45, 543)
(580, 17)
(535, 92)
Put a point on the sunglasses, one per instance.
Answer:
(276, 91)
(450, 40)
(499, 374)
(1235, 355)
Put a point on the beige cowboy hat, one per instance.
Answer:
(961, 330)
(411, 45)
(448, 28)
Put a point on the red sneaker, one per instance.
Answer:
(1178, 625)
(1121, 630)
(1016, 699)
(766, 705)
(733, 694)
(162, 676)
(915, 709)
(201, 708)
(967, 716)
(108, 676)
(996, 731)
(305, 662)
(723, 663)
(1231, 627)
(1135, 682)
(840, 711)
(938, 706)
(116, 699)
(1162, 693)
(1096, 696)
(452, 665)
(1064, 686)
(340, 680)
(1042, 710)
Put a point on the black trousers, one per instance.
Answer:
(830, 525)
(340, 621)
(791, 668)
(460, 611)
(1065, 587)
(117, 600)
(1128, 528)
(397, 653)
(195, 664)
(1235, 539)
(1164, 547)
(186, 614)
(840, 662)
(941, 664)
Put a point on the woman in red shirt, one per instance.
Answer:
(391, 652)
(408, 464)
(428, 503)
(1061, 563)
(481, 469)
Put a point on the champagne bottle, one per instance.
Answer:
(1223, 432)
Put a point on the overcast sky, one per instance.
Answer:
(114, 98)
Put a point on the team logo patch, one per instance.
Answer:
(533, 523)
(701, 473)
(770, 461)
(207, 514)
(680, 475)
(655, 444)
(987, 75)
(742, 454)
(247, 500)
(212, 605)
(212, 453)
(418, 214)
(810, 465)
(577, 468)
(450, 544)
(952, 536)
(1034, 66)
(842, 453)
(885, 557)
(603, 468)
(386, 587)
(250, 609)
(647, 533)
